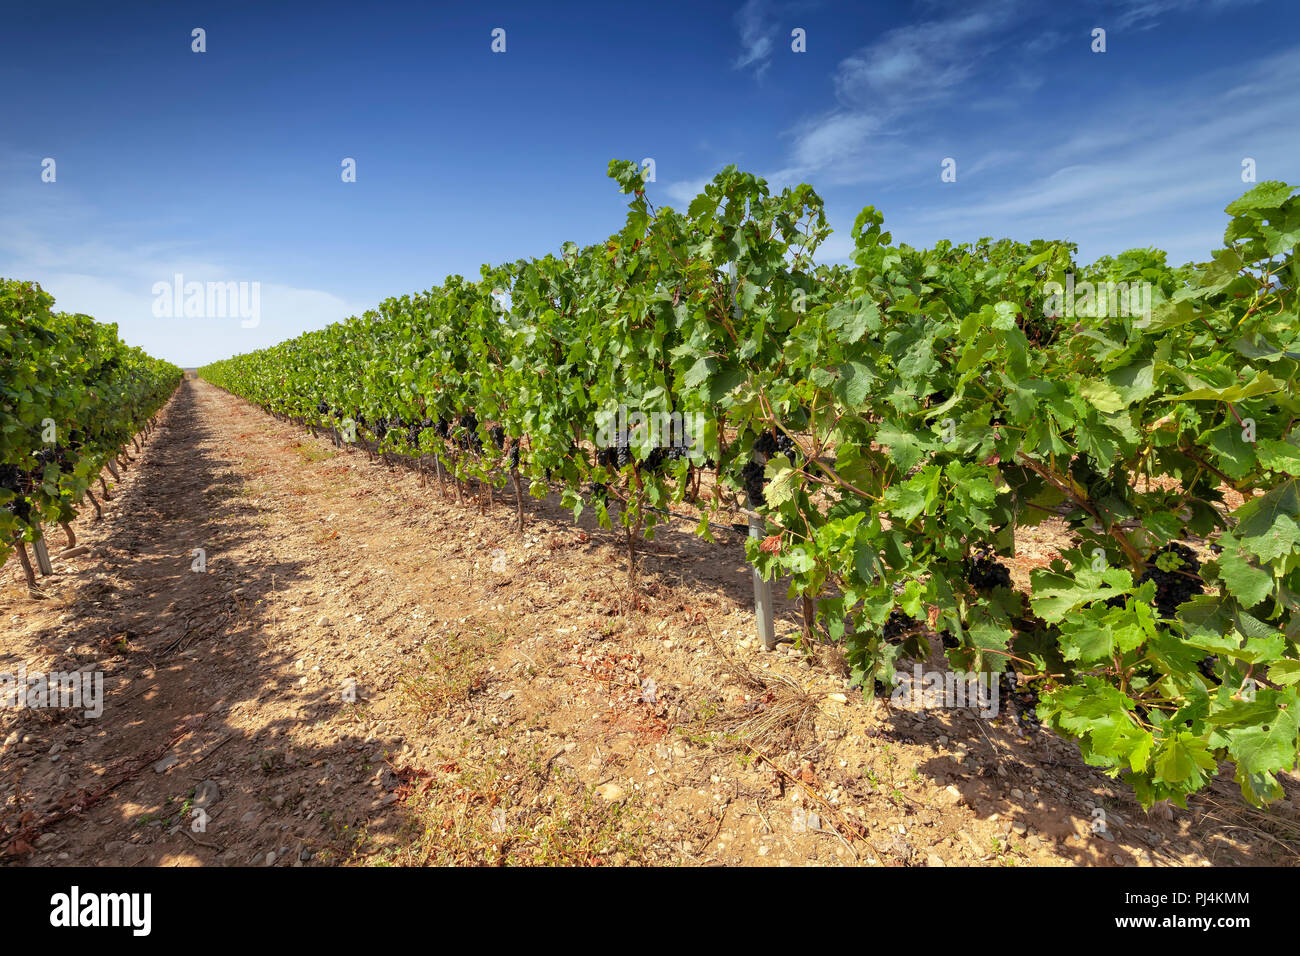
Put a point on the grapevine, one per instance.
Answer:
(902, 422)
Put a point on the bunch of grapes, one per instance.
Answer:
(413, 433)
(1024, 698)
(322, 408)
(443, 428)
(15, 480)
(897, 625)
(659, 457)
(469, 422)
(1206, 666)
(984, 572)
(752, 478)
(1181, 582)
(770, 444)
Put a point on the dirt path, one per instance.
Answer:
(369, 672)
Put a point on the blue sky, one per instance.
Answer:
(225, 165)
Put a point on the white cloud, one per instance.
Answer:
(919, 63)
(1146, 14)
(829, 139)
(756, 36)
(109, 275)
(1153, 171)
(683, 191)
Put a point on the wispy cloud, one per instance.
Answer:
(1167, 157)
(757, 36)
(914, 65)
(884, 89)
(683, 191)
(1045, 42)
(1146, 14)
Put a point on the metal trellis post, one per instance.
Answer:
(763, 608)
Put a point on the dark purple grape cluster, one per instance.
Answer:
(21, 509)
(443, 428)
(983, 570)
(10, 477)
(659, 457)
(752, 478)
(772, 443)
(1024, 700)
(1179, 584)
(414, 432)
(897, 625)
(14, 479)
(469, 422)
(1206, 666)
(615, 458)
(498, 435)
(322, 408)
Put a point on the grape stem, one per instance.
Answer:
(1135, 558)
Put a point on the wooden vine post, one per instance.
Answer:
(42, 553)
(519, 496)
